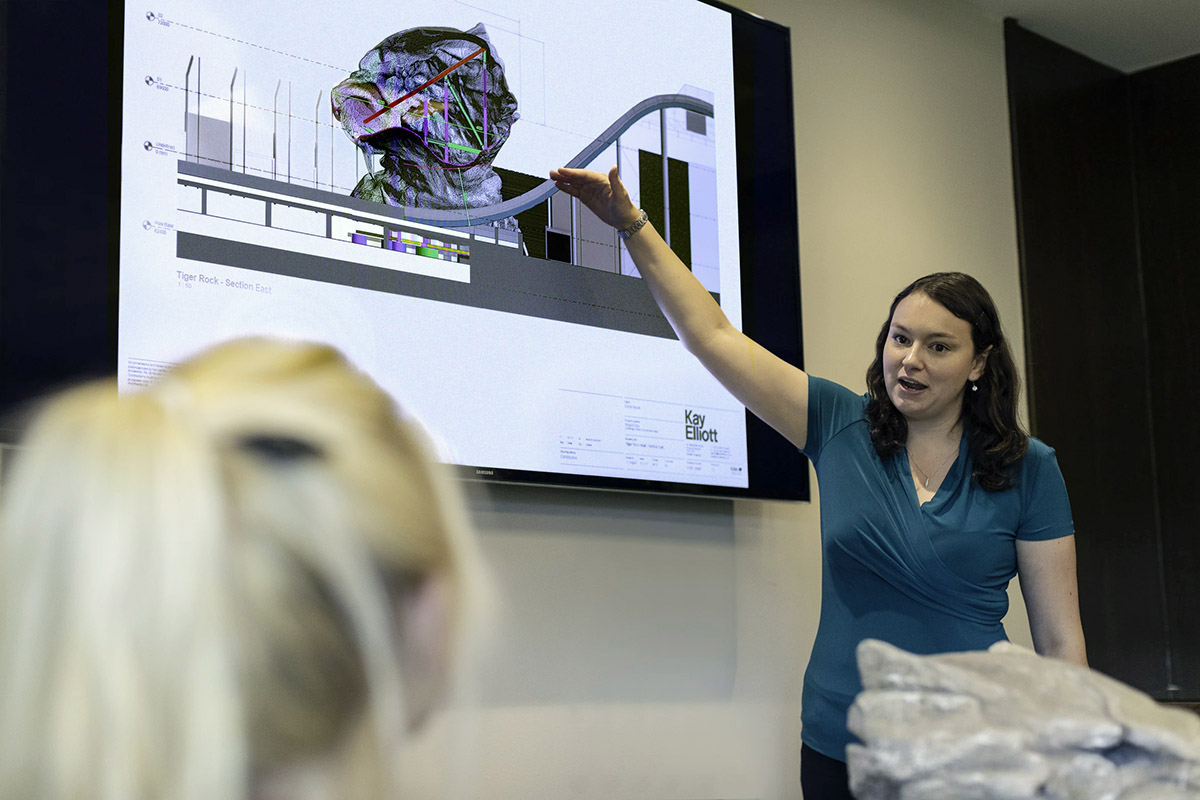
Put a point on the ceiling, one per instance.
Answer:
(1128, 35)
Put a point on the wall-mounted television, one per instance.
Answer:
(374, 175)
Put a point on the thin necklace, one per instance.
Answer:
(928, 475)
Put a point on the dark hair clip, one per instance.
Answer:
(279, 448)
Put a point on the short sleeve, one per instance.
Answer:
(1047, 509)
(831, 407)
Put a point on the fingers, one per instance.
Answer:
(567, 188)
(618, 188)
(573, 181)
(563, 180)
(571, 173)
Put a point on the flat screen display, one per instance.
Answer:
(374, 175)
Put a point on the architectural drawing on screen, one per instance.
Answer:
(271, 174)
(433, 106)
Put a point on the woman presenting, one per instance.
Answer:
(932, 496)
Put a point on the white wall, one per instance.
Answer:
(654, 647)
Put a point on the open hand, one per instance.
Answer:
(605, 195)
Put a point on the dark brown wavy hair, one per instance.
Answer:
(995, 438)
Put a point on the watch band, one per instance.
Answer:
(625, 233)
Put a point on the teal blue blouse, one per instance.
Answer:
(929, 578)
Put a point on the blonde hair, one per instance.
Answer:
(201, 582)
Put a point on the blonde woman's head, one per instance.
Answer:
(248, 571)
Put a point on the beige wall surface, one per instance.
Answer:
(653, 647)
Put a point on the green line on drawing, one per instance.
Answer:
(456, 146)
(466, 113)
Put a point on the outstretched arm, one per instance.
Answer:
(771, 388)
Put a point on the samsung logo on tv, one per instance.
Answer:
(485, 472)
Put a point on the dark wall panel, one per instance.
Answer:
(55, 189)
(1166, 114)
(1086, 344)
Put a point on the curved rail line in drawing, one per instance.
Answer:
(460, 217)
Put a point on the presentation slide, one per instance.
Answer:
(374, 175)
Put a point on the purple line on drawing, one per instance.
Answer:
(446, 117)
(425, 124)
(485, 102)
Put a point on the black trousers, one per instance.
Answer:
(822, 777)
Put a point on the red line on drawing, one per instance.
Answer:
(424, 85)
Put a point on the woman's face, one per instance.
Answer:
(928, 359)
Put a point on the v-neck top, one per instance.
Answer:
(929, 578)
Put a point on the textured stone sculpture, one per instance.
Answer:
(435, 104)
(1011, 725)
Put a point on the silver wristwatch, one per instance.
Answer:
(625, 233)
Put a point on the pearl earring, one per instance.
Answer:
(974, 386)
